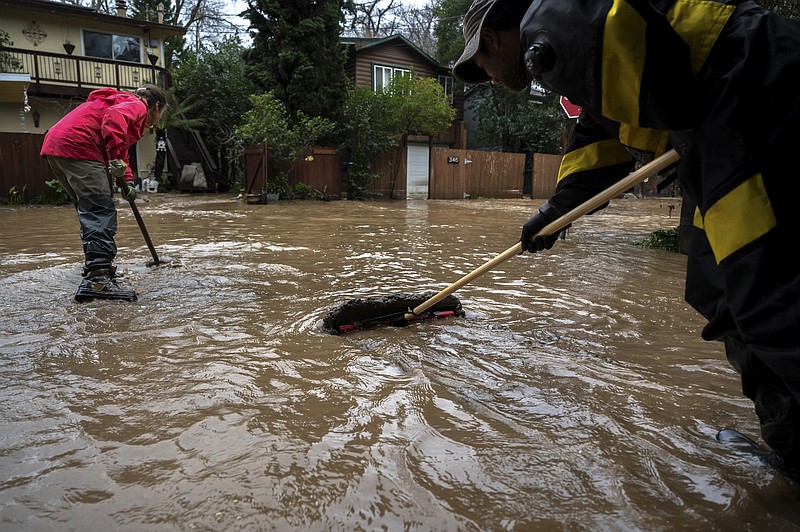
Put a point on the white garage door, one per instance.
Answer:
(417, 172)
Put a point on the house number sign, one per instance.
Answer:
(452, 159)
(34, 33)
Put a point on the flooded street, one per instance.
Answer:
(575, 394)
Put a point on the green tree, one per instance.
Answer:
(365, 135)
(449, 29)
(216, 79)
(417, 107)
(495, 117)
(511, 122)
(543, 126)
(296, 54)
(268, 122)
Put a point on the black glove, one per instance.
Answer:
(547, 214)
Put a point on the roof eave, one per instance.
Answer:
(89, 13)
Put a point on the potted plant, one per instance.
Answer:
(69, 47)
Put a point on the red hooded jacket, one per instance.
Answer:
(100, 129)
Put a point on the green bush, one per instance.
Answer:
(666, 239)
(303, 191)
(279, 184)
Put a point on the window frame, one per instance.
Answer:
(114, 37)
(392, 70)
(447, 83)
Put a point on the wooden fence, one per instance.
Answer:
(22, 168)
(255, 169)
(545, 175)
(456, 174)
(321, 169)
(476, 173)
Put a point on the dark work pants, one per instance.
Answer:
(87, 183)
(777, 410)
(98, 219)
(766, 352)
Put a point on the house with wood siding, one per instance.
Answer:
(372, 62)
(58, 53)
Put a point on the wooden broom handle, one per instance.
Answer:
(648, 170)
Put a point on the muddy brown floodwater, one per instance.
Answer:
(574, 395)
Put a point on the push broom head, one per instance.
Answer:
(393, 310)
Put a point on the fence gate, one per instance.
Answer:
(255, 169)
(458, 174)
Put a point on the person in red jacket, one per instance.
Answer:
(85, 149)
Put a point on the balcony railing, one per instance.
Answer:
(81, 72)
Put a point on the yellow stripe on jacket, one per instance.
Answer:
(738, 218)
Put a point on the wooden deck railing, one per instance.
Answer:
(77, 71)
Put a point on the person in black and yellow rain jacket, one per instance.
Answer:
(718, 82)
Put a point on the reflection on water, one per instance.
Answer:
(575, 394)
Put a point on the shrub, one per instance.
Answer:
(666, 239)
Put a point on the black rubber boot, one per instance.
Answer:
(742, 443)
(102, 284)
(791, 474)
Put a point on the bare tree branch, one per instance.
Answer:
(416, 25)
(373, 18)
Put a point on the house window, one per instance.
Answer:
(110, 46)
(447, 83)
(382, 76)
